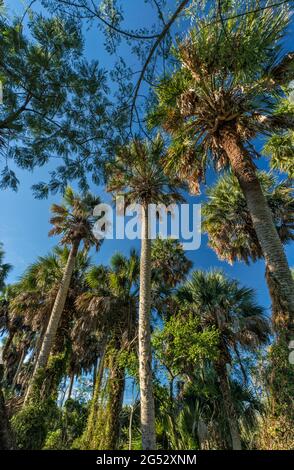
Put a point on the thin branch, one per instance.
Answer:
(26, 11)
(256, 10)
(153, 49)
(109, 25)
(14, 115)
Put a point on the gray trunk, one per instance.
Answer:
(71, 383)
(264, 226)
(145, 355)
(22, 357)
(55, 316)
(229, 407)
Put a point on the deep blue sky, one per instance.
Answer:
(24, 221)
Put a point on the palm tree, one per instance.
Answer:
(223, 304)
(137, 174)
(223, 93)
(108, 312)
(170, 265)
(73, 220)
(30, 307)
(231, 233)
(199, 420)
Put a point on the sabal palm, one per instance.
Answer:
(200, 420)
(230, 230)
(35, 294)
(232, 309)
(223, 93)
(170, 264)
(108, 313)
(16, 334)
(73, 220)
(137, 174)
(170, 267)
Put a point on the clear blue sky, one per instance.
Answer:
(24, 221)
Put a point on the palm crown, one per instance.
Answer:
(74, 219)
(228, 223)
(228, 76)
(137, 173)
(109, 303)
(222, 303)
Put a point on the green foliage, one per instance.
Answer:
(70, 425)
(54, 441)
(227, 221)
(31, 424)
(170, 264)
(280, 379)
(138, 175)
(74, 219)
(182, 344)
(280, 150)
(55, 103)
(128, 360)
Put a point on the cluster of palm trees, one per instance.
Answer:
(65, 318)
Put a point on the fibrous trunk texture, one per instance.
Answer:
(115, 402)
(264, 226)
(145, 355)
(229, 406)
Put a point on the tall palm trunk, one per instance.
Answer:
(115, 402)
(71, 383)
(93, 419)
(95, 368)
(145, 355)
(263, 223)
(279, 316)
(19, 366)
(5, 431)
(55, 316)
(229, 405)
(8, 343)
(40, 339)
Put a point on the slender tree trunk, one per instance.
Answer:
(18, 368)
(115, 402)
(99, 377)
(94, 374)
(41, 339)
(145, 354)
(229, 406)
(131, 427)
(55, 316)
(93, 418)
(264, 226)
(7, 344)
(5, 432)
(71, 383)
